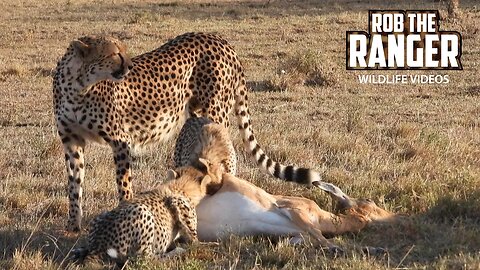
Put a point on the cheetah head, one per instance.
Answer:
(195, 180)
(102, 58)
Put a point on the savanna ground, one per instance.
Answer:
(414, 149)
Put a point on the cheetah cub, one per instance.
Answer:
(151, 221)
(201, 137)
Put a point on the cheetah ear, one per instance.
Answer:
(81, 49)
(171, 175)
(202, 165)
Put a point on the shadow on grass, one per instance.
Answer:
(260, 86)
(450, 229)
(52, 244)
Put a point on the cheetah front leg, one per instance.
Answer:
(122, 158)
(74, 160)
(186, 218)
(188, 223)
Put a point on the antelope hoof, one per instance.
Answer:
(296, 240)
(208, 244)
(335, 251)
(374, 251)
(175, 252)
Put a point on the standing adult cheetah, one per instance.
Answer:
(101, 94)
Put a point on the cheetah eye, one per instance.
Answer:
(111, 56)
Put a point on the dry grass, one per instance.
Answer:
(453, 8)
(415, 149)
(302, 69)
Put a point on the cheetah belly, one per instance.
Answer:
(162, 128)
(233, 213)
(92, 134)
(157, 132)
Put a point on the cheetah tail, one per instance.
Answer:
(119, 258)
(287, 173)
(79, 254)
